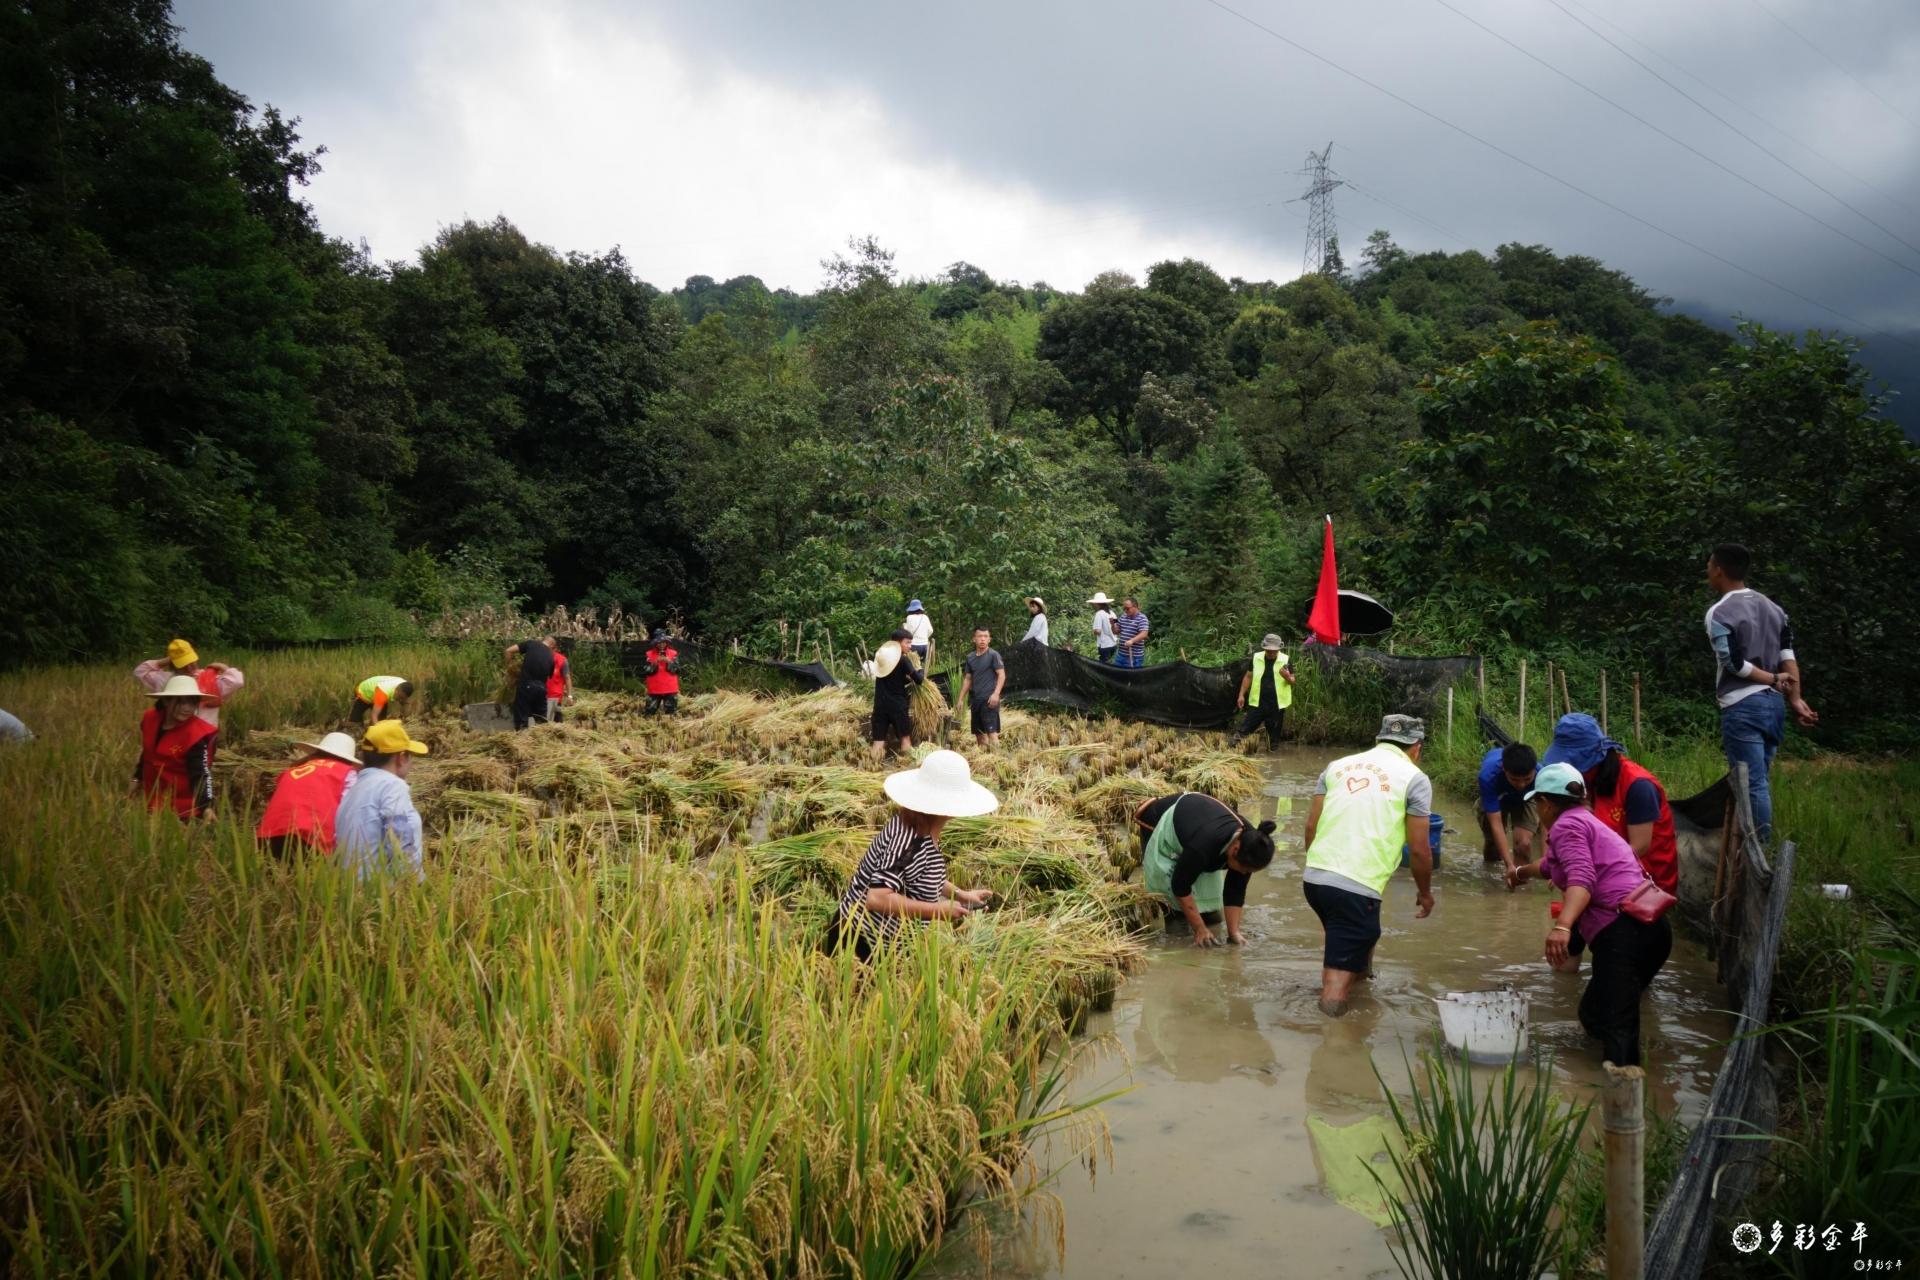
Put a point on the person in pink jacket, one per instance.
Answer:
(217, 680)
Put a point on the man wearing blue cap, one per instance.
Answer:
(1626, 797)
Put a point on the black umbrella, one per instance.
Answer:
(1360, 614)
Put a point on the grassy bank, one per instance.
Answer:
(599, 1038)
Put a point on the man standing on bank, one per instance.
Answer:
(985, 676)
(1364, 809)
(1132, 630)
(1266, 691)
(1759, 676)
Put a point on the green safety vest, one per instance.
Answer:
(1363, 820)
(382, 684)
(1283, 692)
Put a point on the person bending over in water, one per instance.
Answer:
(1199, 856)
(1364, 809)
(1596, 869)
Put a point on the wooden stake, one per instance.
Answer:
(1520, 732)
(1481, 668)
(1603, 700)
(1636, 708)
(1449, 718)
(1566, 699)
(1622, 1108)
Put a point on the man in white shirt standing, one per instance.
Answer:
(1103, 638)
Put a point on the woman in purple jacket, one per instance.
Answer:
(1595, 869)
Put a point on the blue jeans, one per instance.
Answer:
(1751, 730)
(1130, 656)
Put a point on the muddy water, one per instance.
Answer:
(1239, 1144)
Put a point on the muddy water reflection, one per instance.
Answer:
(1241, 1145)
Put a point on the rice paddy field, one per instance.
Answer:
(600, 1038)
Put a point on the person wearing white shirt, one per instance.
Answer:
(1037, 624)
(1103, 638)
(920, 628)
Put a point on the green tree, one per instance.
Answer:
(1104, 343)
(1227, 566)
(1198, 285)
(871, 335)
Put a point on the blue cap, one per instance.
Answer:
(1559, 780)
(1578, 741)
(913, 606)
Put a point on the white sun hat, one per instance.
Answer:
(1099, 597)
(886, 658)
(338, 745)
(179, 687)
(942, 786)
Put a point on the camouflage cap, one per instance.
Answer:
(1403, 730)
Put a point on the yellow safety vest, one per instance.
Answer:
(1363, 821)
(1283, 692)
(380, 684)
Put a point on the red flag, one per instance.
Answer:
(1324, 621)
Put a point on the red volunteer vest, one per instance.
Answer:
(557, 682)
(663, 681)
(163, 761)
(1662, 859)
(209, 682)
(305, 800)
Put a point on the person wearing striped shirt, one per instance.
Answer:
(1131, 629)
(903, 876)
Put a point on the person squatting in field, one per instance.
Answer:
(377, 828)
(379, 697)
(902, 878)
(306, 798)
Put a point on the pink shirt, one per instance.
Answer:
(1584, 851)
(154, 675)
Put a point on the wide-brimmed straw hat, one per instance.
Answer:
(1037, 600)
(179, 687)
(886, 658)
(942, 786)
(1099, 597)
(337, 745)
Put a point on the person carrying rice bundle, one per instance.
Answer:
(902, 877)
(1200, 854)
(536, 668)
(894, 675)
(306, 798)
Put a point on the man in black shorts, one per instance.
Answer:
(894, 675)
(986, 675)
(536, 668)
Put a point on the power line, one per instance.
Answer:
(1830, 58)
(1551, 176)
(1381, 200)
(1750, 109)
(1737, 130)
(1678, 141)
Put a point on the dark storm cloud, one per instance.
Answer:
(1196, 120)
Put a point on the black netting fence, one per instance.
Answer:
(703, 668)
(1191, 697)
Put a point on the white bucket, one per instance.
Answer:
(1486, 1026)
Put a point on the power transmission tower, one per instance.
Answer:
(1323, 237)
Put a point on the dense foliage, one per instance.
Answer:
(219, 421)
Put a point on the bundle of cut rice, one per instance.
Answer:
(928, 710)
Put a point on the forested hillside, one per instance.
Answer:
(220, 421)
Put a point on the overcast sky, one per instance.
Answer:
(1052, 139)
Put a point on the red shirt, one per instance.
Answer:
(663, 682)
(305, 800)
(557, 682)
(1662, 860)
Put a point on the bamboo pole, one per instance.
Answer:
(1520, 732)
(1566, 699)
(1636, 708)
(1603, 700)
(1449, 719)
(1480, 667)
(1622, 1107)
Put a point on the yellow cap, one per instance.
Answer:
(389, 738)
(180, 654)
